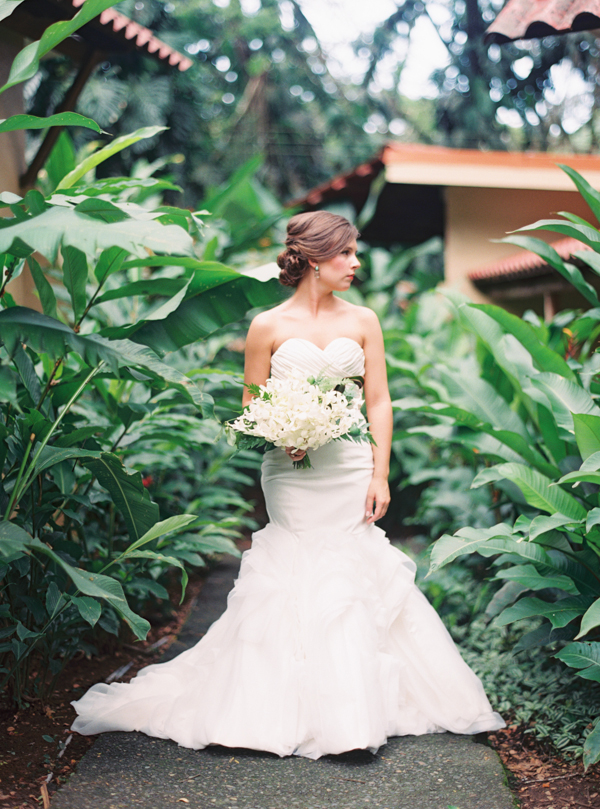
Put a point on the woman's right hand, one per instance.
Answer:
(295, 454)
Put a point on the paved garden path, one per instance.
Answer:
(129, 770)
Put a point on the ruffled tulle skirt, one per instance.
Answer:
(326, 644)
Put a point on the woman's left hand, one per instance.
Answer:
(295, 454)
(378, 499)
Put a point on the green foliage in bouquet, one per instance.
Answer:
(301, 413)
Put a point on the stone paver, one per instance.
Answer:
(128, 770)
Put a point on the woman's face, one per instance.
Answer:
(338, 272)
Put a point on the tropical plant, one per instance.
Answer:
(524, 401)
(120, 284)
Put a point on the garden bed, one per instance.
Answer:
(36, 736)
(541, 780)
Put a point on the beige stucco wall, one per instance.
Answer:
(476, 215)
(12, 153)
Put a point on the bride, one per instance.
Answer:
(326, 644)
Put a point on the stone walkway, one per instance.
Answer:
(127, 770)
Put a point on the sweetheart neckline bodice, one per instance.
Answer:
(310, 342)
(343, 356)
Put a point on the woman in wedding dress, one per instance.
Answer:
(326, 644)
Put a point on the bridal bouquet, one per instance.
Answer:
(301, 413)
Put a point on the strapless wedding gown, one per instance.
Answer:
(326, 644)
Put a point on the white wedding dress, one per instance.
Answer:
(326, 644)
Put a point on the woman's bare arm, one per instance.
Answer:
(379, 415)
(257, 366)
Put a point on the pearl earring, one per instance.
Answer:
(317, 273)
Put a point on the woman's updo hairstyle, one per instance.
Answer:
(314, 236)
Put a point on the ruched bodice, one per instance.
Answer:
(326, 644)
(342, 357)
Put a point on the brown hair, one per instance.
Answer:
(314, 236)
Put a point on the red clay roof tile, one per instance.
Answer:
(528, 19)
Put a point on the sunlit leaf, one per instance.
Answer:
(16, 122)
(115, 146)
(537, 489)
(26, 62)
(559, 613)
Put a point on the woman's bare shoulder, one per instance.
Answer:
(266, 320)
(365, 316)
(263, 327)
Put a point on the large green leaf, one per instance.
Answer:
(593, 262)
(551, 257)
(532, 579)
(582, 656)
(517, 442)
(26, 63)
(565, 398)
(133, 354)
(75, 276)
(169, 560)
(201, 313)
(110, 261)
(161, 529)
(544, 358)
(479, 397)
(44, 288)
(591, 619)
(590, 195)
(7, 7)
(13, 539)
(492, 335)
(589, 471)
(537, 489)
(61, 225)
(587, 433)
(48, 336)
(16, 122)
(199, 277)
(583, 233)
(559, 613)
(209, 544)
(490, 541)
(62, 159)
(591, 748)
(89, 609)
(115, 146)
(543, 524)
(556, 447)
(95, 585)
(127, 493)
(50, 456)
(147, 286)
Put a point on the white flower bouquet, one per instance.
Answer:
(301, 413)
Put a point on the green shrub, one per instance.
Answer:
(92, 417)
(523, 402)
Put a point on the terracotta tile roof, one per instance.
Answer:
(144, 38)
(424, 164)
(524, 264)
(528, 19)
(397, 152)
(354, 184)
